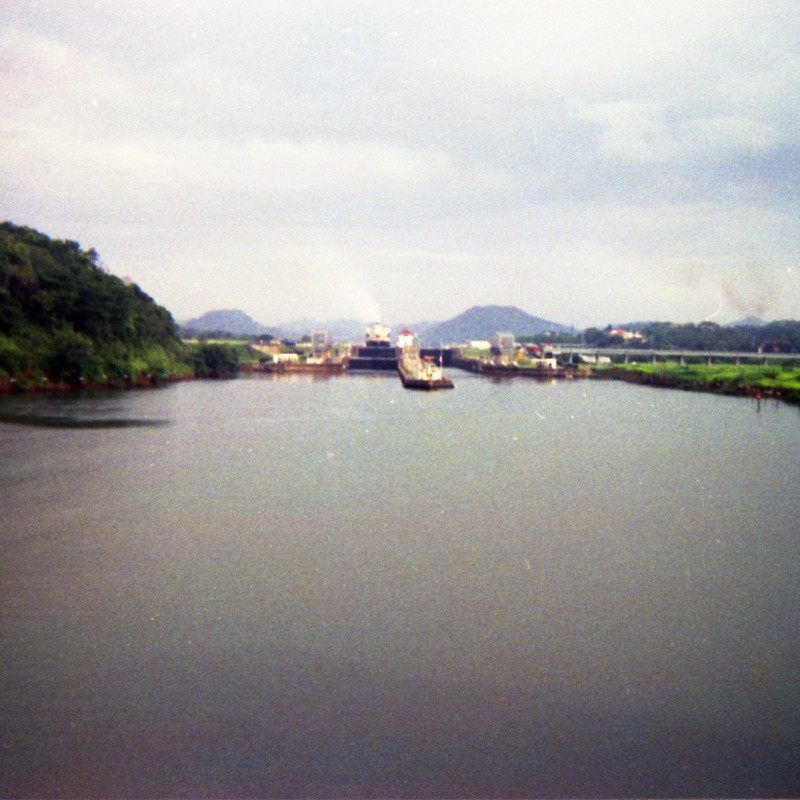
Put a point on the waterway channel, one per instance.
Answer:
(296, 587)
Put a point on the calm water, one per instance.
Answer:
(297, 587)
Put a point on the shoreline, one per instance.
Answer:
(10, 386)
(706, 379)
(697, 380)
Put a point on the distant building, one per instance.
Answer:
(542, 356)
(320, 344)
(626, 334)
(504, 342)
(405, 338)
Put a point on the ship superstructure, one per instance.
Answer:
(377, 352)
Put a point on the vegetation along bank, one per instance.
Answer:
(782, 382)
(66, 322)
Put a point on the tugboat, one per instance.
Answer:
(421, 373)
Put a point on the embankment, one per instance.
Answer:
(747, 381)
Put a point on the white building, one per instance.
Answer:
(504, 342)
(626, 334)
(405, 338)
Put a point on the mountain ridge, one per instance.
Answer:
(481, 322)
(230, 321)
(477, 322)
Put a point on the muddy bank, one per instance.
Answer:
(39, 385)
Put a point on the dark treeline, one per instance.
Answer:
(775, 337)
(65, 320)
(782, 336)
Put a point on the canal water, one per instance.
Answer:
(289, 587)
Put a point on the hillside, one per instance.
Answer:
(481, 322)
(230, 322)
(64, 319)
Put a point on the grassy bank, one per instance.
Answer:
(78, 363)
(95, 368)
(744, 379)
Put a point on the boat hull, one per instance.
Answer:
(410, 381)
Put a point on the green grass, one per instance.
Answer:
(725, 378)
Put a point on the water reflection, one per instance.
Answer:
(341, 588)
(45, 421)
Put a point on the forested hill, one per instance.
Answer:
(779, 336)
(481, 322)
(63, 318)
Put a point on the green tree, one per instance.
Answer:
(70, 319)
(11, 356)
(215, 361)
(73, 358)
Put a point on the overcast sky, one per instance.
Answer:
(588, 162)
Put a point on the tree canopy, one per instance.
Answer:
(63, 317)
(782, 336)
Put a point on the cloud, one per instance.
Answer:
(553, 45)
(37, 72)
(150, 175)
(634, 131)
(51, 143)
(640, 132)
(722, 136)
(480, 151)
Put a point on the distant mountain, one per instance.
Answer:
(237, 323)
(230, 321)
(748, 322)
(481, 322)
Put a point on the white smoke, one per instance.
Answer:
(367, 308)
(321, 280)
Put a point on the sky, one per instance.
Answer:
(591, 163)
